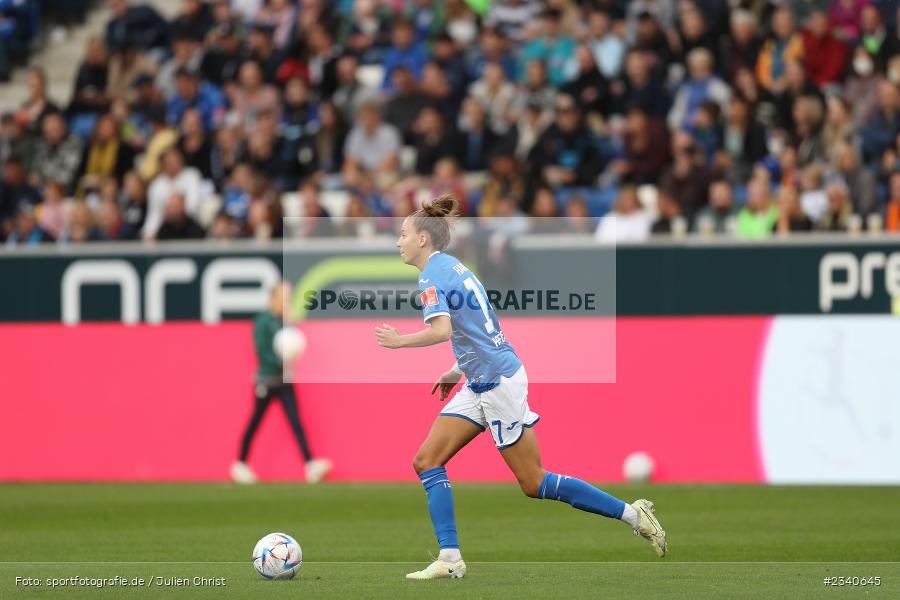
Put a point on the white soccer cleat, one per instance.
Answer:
(441, 569)
(317, 469)
(242, 473)
(648, 526)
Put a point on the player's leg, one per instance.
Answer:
(316, 469)
(511, 422)
(262, 397)
(448, 435)
(288, 399)
(524, 460)
(240, 471)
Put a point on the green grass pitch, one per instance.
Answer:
(359, 540)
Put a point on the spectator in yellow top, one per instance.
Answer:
(106, 155)
(161, 139)
(786, 44)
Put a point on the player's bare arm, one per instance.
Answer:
(446, 382)
(437, 331)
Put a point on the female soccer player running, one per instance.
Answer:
(455, 307)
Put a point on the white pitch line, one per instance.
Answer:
(478, 562)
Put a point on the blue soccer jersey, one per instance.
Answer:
(448, 287)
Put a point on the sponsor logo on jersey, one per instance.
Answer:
(460, 268)
(429, 297)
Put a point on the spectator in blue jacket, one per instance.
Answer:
(405, 52)
(20, 22)
(138, 26)
(881, 130)
(26, 231)
(491, 49)
(204, 96)
(700, 86)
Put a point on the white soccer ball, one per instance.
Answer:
(638, 467)
(277, 556)
(289, 343)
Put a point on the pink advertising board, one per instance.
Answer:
(169, 402)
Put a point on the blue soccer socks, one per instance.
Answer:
(440, 506)
(579, 494)
(570, 490)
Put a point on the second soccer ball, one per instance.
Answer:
(638, 467)
(289, 343)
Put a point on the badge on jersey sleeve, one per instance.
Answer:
(429, 297)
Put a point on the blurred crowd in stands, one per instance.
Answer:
(748, 117)
(25, 25)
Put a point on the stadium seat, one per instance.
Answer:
(335, 202)
(475, 180)
(291, 206)
(208, 209)
(408, 155)
(599, 200)
(370, 75)
(422, 195)
(648, 196)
